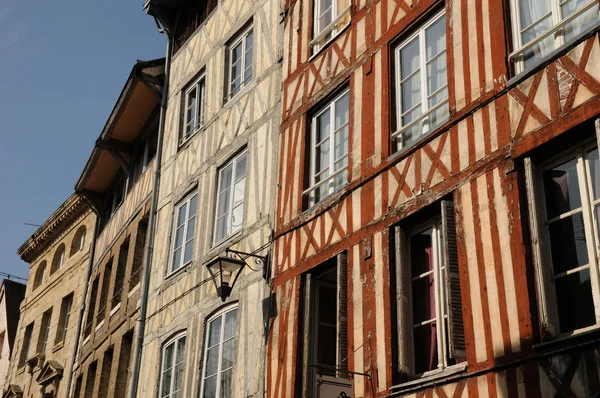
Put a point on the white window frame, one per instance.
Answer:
(185, 202)
(199, 85)
(173, 341)
(321, 31)
(61, 259)
(221, 314)
(330, 180)
(580, 155)
(82, 240)
(240, 40)
(46, 323)
(66, 314)
(557, 29)
(234, 179)
(441, 312)
(426, 111)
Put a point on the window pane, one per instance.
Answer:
(411, 92)
(176, 259)
(230, 320)
(594, 165)
(240, 167)
(168, 359)
(341, 111)
(409, 58)
(582, 22)
(228, 353)
(223, 202)
(212, 361)
(437, 77)
(322, 158)
(568, 243)
(533, 10)
(341, 144)
(326, 14)
(435, 38)
(425, 348)
(226, 176)
(180, 350)
(214, 334)
(210, 387)
(561, 187)
(193, 206)
(179, 236)
(323, 126)
(222, 228)
(181, 215)
(189, 249)
(237, 218)
(166, 386)
(191, 229)
(421, 256)
(575, 301)
(423, 299)
(226, 384)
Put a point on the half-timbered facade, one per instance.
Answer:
(216, 193)
(117, 181)
(45, 340)
(436, 227)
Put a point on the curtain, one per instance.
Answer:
(540, 13)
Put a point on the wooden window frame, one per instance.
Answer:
(199, 84)
(309, 193)
(240, 39)
(220, 314)
(234, 179)
(557, 29)
(172, 268)
(540, 240)
(171, 342)
(426, 111)
(443, 234)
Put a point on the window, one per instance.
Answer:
(542, 26)
(115, 195)
(240, 62)
(329, 18)
(44, 331)
(328, 148)
(105, 381)
(120, 276)
(59, 258)
(326, 324)
(40, 275)
(194, 109)
(185, 227)
(138, 253)
(26, 345)
(91, 308)
(219, 353)
(421, 81)
(63, 321)
(78, 240)
(145, 152)
(230, 197)
(2, 335)
(123, 365)
(172, 369)
(106, 276)
(91, 379)
(564, 204)
(430, 325)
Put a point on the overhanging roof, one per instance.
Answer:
(165, 11)
(136, 103)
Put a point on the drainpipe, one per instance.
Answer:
(141, 324)
(88, 274)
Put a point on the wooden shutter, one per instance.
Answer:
(456, 331)
(342, 314)
(541, 250)
(403, 303)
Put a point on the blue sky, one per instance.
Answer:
(62, 66)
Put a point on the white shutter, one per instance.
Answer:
(540, 245)
(403, 303)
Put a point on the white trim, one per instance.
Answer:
(426, 110)
(240, 40)
(134, 289)
(331, 28)
(173, 341)
(558, 24)
(220, 314)
(233, 162)
(98, 326)
(200, 86)
(115, 309)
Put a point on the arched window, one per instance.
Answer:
(40, 275)
(219, 344)
(173, 367)
(59, 259)
(78, 240)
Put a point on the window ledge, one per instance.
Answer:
(178, 271)
(247, 87)
(184, 143)
(98, 326)
(324, 203)
(549, 58)
(581, 335)
(58, 346)
(115, 309)
(328, 43)
(86, 339)
(133, 290)
(223, 242)
(421, 381)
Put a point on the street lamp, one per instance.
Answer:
(225, 270)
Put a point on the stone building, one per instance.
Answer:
(117, 181)
(11, 296)
(58, 257)
(436, 228)
(216, 193)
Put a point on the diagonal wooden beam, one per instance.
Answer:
(116, 145)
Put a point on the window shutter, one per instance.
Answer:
(402, 301)
(342, 315)
(541, 250)
(456, 331)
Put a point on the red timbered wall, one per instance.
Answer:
(475, 156)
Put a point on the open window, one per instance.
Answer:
(325, 345)
(542, 26)
(428, 295)
(563, 195)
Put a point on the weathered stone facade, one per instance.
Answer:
(11, 295)
(58, 250)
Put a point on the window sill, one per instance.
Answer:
(418, 143)
(421, 381)
(324, 203)
(580, 335)
(114, 310)
(58, 346)
(220, 244)
(85, 341)
(178, 271)
(98, 326)
(549, 58)
(245, 88)
(133, 290)
(328, 43)
(182, 144)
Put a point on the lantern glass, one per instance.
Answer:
(224, 272)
